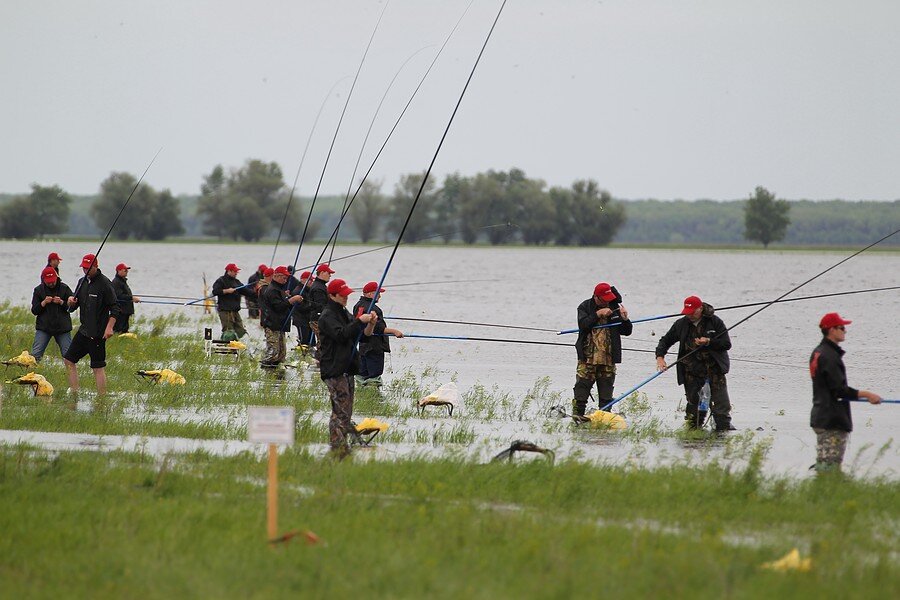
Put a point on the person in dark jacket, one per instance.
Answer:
(830, 417)
(703, 345)
(338, 334)
(318, 298)
(228, 291)
(49, 304)
(305, 336)
(277, 307)
(599, 349)
(253, 284)
(261, 286)
(53, 260)
(124, 297)
(372, 348)
(98, 311)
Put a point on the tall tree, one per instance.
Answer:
(765, 218)
(421, 222)
(44, 211)
(596, 217)
(246, 204)
(150, 214)
(211, 206)
(164, 217)
(367, 212)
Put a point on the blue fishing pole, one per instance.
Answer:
(750, 316)
(883, 401)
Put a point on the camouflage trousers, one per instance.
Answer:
(585, 377)
(830, 447)
(276, 349)
(340, 389)
(231, 321)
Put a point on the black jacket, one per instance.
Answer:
(253, 284)
(275, 308)
(829, 381)
(123, 294)
(587, 318)
(377, 342)
(682, 331)
(230, 302)
(338, 332)
(317, 294)
(52, 318)
(96, 304)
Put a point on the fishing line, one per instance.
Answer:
(748, 317)
(365, 141)
(299, 168)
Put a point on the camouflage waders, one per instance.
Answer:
(340, 389)
(830, 447)
(276, 349)
(585, 377)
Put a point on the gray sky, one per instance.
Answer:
(665, 99)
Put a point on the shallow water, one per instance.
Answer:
(542, 287)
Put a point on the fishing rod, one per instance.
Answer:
(299, 168)
(747, 318)
(749, 305)
(498, 326)
(334, 137)
(116, 220)
(210, 297)
(365, 141)
(381, 149)
(883, 401)
(436, 153)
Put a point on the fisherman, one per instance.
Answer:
(830, 417)
(53, 260)
(372, 348)
(318, 298)
(228, 290)
(703, 345)
(252, 283)
(338, 334)
(261, 286)
(124, 297)
(98, 311)
(48, 304)
(277, 302)
(305, 336)
(599, 349)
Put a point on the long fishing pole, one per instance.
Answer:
(747, 318)
(116, 220)
(436, 153)
(495, 325)
(365, 141)
(336, 131)
(300, 167)
(749, 305)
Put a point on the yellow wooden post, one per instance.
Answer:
(272, 494)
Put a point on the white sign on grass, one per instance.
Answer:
(270, 425)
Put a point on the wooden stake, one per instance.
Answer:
(272, 494)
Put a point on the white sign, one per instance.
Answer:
(270, 425)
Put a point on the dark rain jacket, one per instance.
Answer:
(338, 332)
(123, 294)
(96, 304)
(318, 298)
(230, 302)
(275, 308)
(52, 318)
(587, 318)
(252, 282)
(377, 342)
(829, 381)
(683, 332)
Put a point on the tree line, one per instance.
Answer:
(249, 203)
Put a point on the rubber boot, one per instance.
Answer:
(582, 391)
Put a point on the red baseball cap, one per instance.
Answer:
(262, 268)
(339, 286)
(49, 274)
(231, 267)
(691, 303)
(53, 256)
(282, 270)
(371, 287)
(121, 266)
(268, 272)
(604, 291)
(832, 320)
(324, 267)
(305, 275)
(87, 260)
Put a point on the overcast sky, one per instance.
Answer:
(653, 99)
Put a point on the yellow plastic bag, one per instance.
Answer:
(601, 419)
(164, 375)
(39, 384)
(790, 562)
(369, 424)
(23, 360)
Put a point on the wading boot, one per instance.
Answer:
(723, 425)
